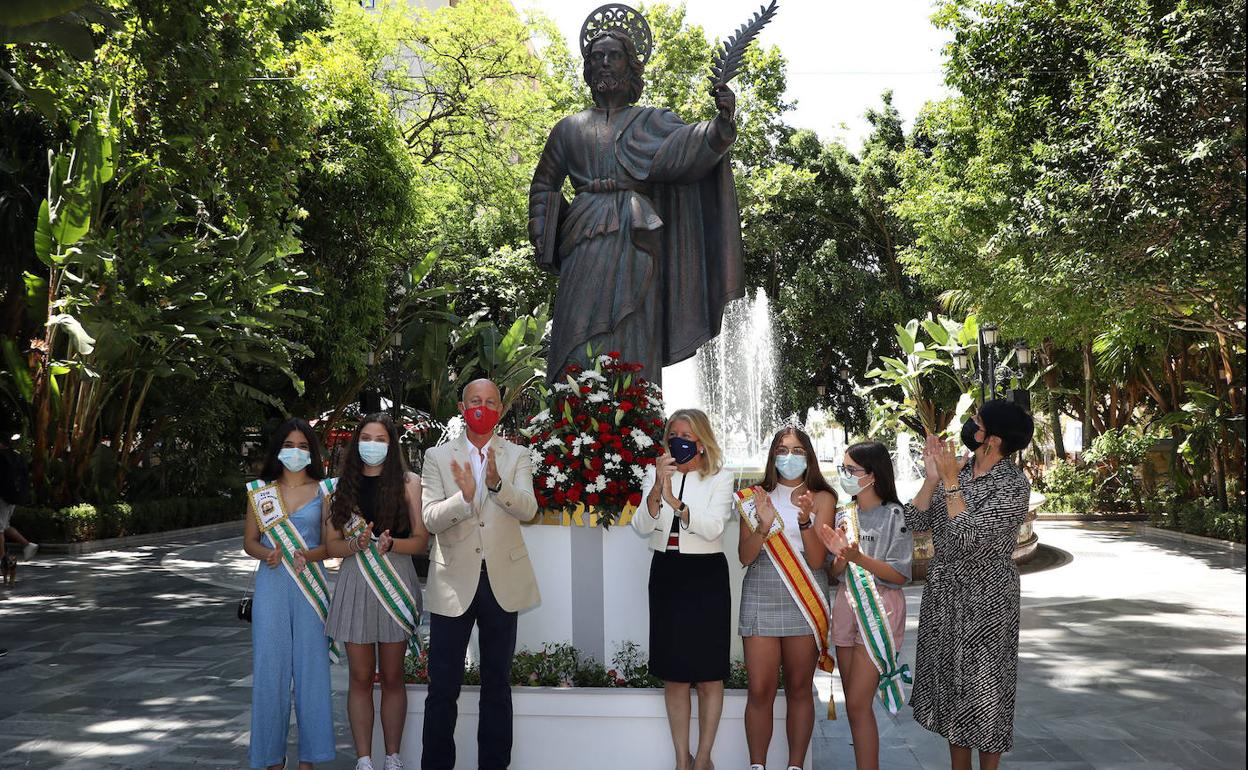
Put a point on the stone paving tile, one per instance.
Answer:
(116, 663)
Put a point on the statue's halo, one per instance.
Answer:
(617, 16)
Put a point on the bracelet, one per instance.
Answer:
(806, 524)
(953, 490)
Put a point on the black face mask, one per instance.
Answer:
(682, 450)
(969, 429)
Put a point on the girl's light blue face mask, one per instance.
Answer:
(791, 466)
(374, 452)
(294, 458)
(852, 484)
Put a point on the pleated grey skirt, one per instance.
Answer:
(356, 615)
(767, 607)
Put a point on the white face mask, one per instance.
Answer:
(852, 484)
(374, 452)
(294, 458)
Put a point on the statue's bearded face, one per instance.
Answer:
(608, 66)
(613, 70)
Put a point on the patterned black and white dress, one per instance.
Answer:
(966, 664)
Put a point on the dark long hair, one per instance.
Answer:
(391, 506)
(814, 479)
(636, 83)
(273, 467)
(874, 459)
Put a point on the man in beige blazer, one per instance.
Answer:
(476, 491)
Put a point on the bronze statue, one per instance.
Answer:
(649, 250)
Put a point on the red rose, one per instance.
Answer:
(634, 498)
(574, 494)
(613, 354)
(592, 498)
(549, 459)
(568, 439)
(626, 406)
(604, 409)
(626, 455)
(586, 389)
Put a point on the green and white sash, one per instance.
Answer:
(381, 577)
(868, 608)
(265, 501)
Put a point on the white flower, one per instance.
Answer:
(597, 397)
(610, 466)
(535, 457)
(614, 458)
(605, 359)
(550, 482)
(641, 439)
(562, 387)
(561, 477)
(590, 374)
(638, 471)
(542, 416)
(551, 443)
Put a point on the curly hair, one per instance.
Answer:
(391, 507)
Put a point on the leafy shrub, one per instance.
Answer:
(85, 521)
(562, 665)
(1069, 488)
(1200, 516)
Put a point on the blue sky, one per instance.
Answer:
(841, 54)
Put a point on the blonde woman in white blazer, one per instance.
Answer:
(687, 500)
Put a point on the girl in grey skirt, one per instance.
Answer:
(774, 631)
(376, 485)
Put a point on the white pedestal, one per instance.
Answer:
(594, 589)
(603, 729)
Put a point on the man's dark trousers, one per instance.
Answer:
(448, 643)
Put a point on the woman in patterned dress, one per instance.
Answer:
(967, 658)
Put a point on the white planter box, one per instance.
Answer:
(588, 728)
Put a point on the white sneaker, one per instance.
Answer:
(28, 551)
(757, 767)
(364, 763)
(393, 762)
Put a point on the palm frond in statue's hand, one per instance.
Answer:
(728, 62)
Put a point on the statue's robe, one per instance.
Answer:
(649, 251)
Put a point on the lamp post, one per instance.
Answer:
(392, 375)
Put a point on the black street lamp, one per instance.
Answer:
(392, 374)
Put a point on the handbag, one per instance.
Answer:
(244, 604)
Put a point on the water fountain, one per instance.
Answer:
(733, 379)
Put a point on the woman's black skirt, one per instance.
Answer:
(690, 617)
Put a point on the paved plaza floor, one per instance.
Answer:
(1132, 656)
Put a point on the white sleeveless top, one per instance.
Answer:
(782, 498)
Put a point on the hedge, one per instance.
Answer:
(85, 521)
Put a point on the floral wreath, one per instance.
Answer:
(601, 428)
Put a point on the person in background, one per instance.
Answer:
(477, 491)
(14, 491)
(687, 501)
(884, 547)
(966, 662)
(375, 510)
(289, 647)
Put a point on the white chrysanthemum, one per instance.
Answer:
(550, 482)
(615, 458)
(551, 443)
(597, 397)
(638, 471)
(562, 387)
(590, 374)
(641, 439)
(610, 466)
(535, 457)
(542, 416)
(562, 478)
